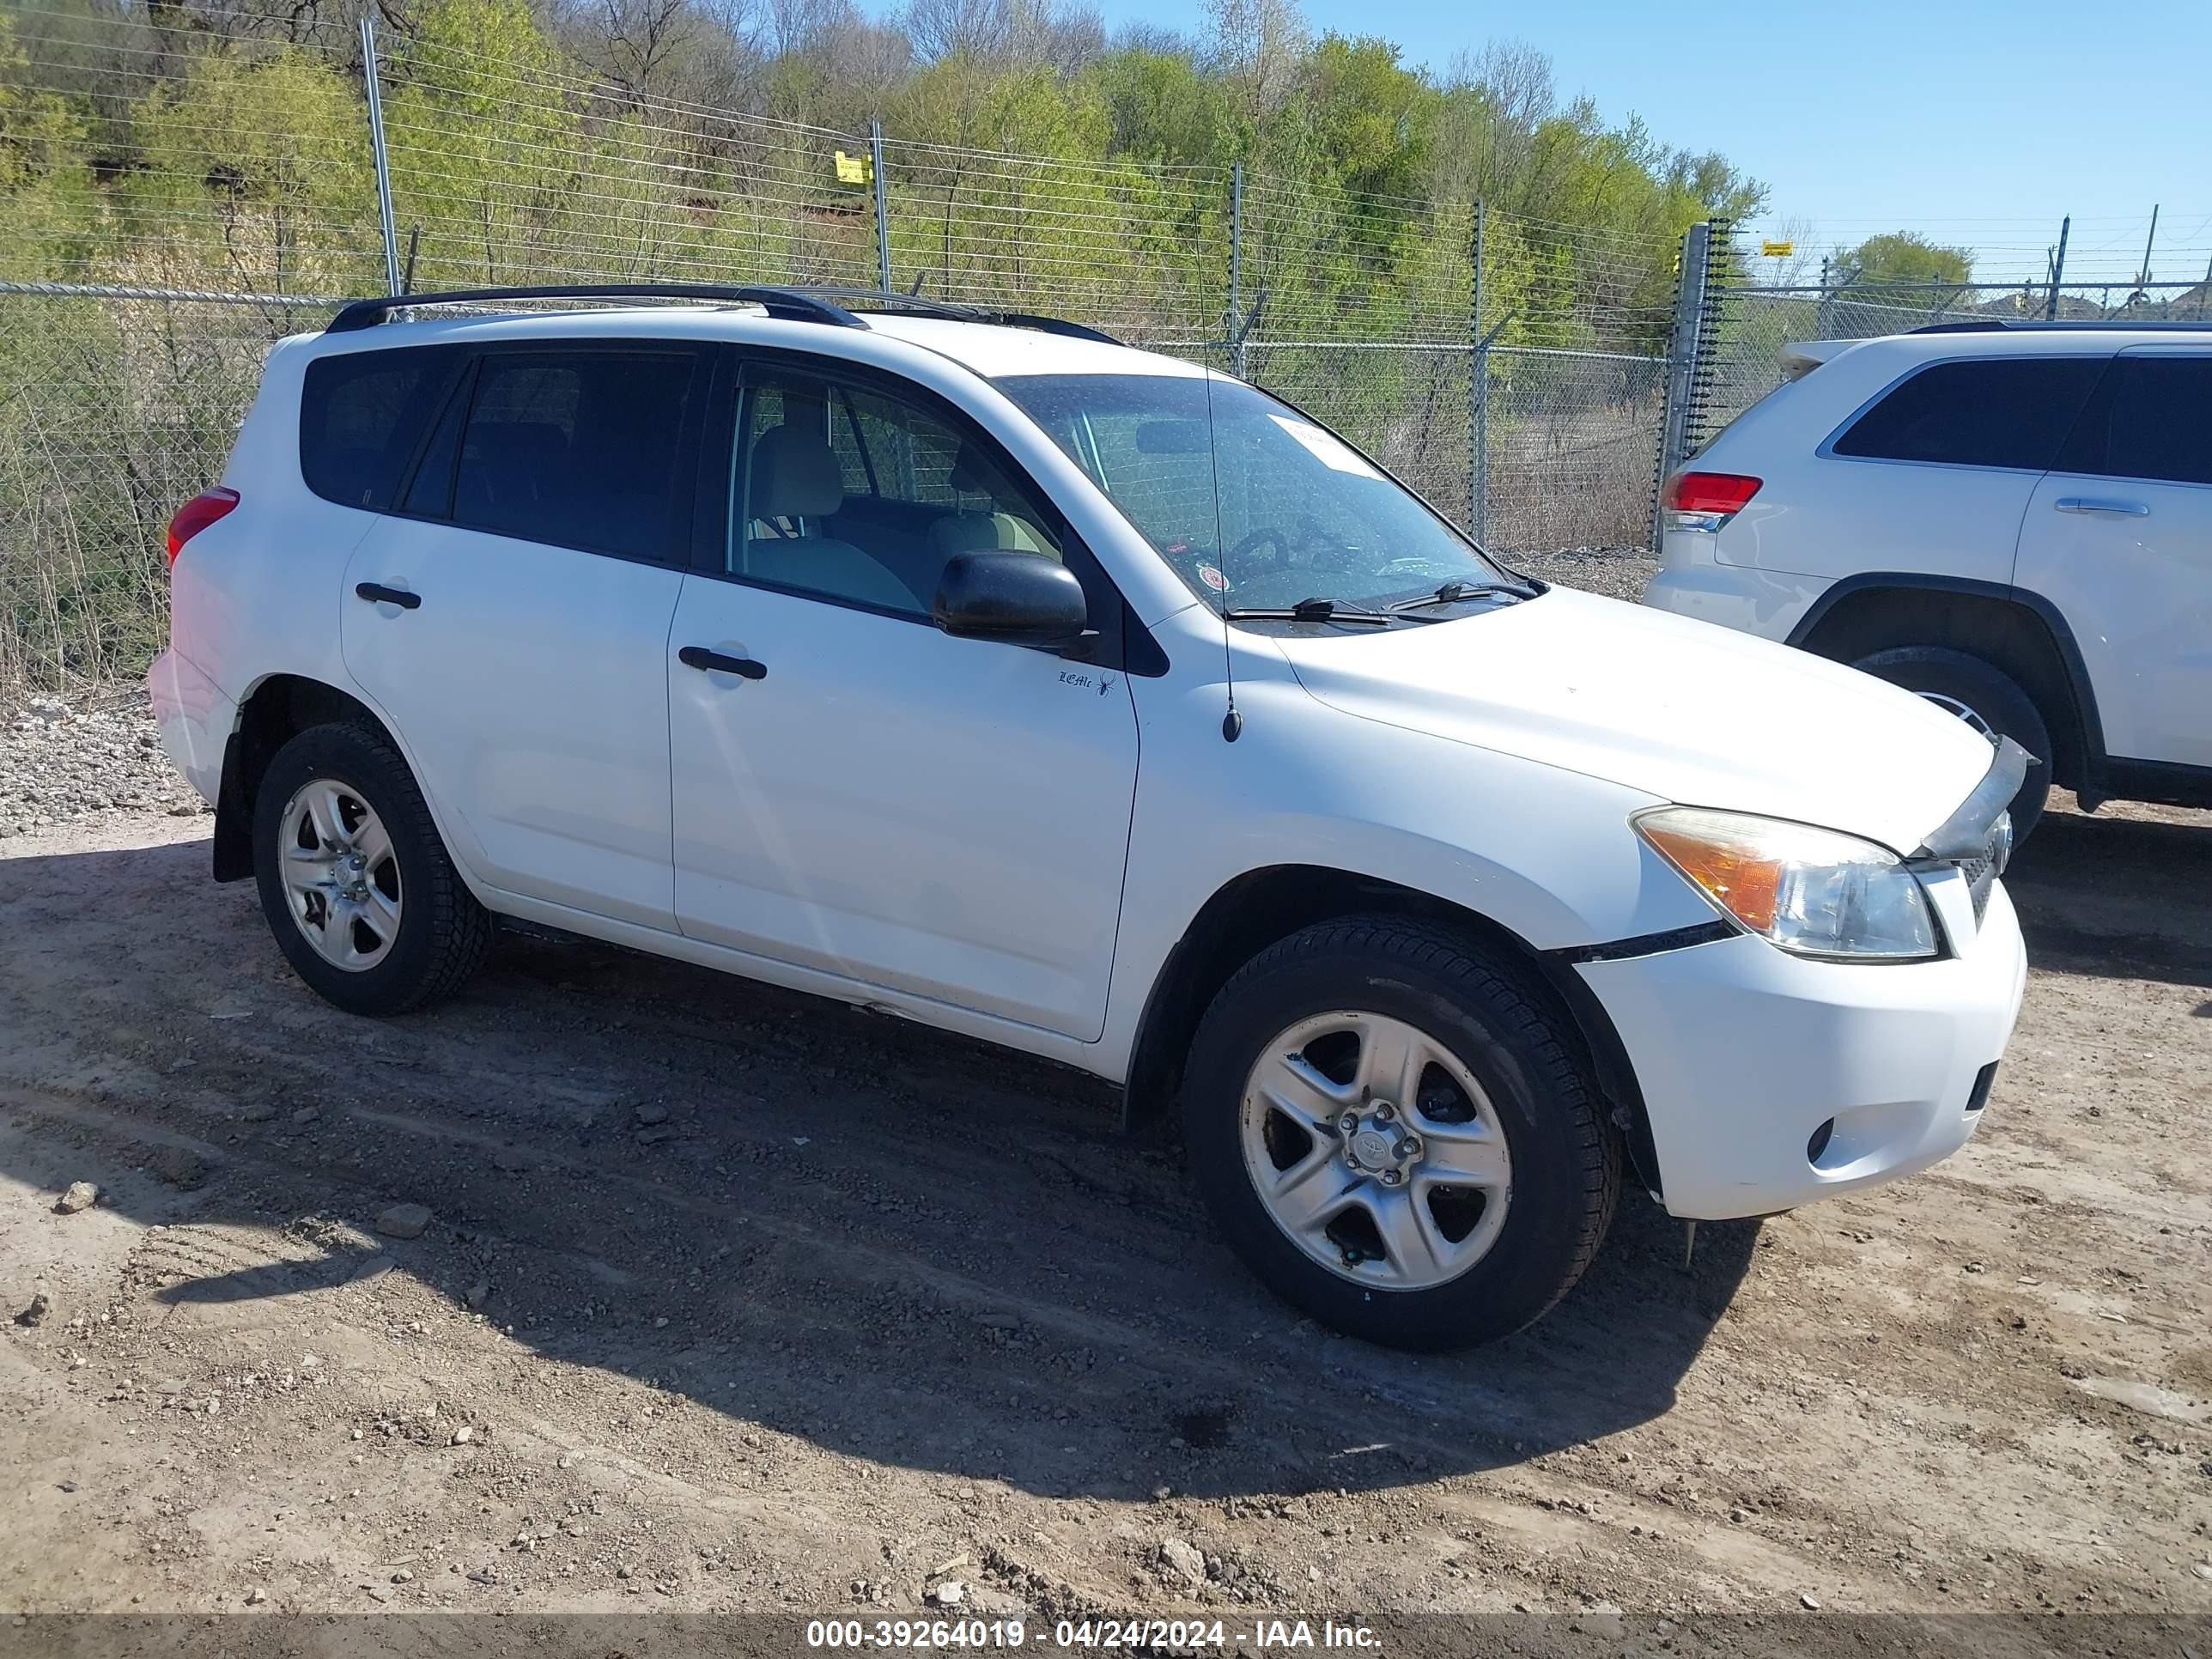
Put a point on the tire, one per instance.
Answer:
(1535, 1234)
(428, 931)
(1988, 695)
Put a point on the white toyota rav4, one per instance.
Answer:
(997, 676)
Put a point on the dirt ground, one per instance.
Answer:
(730, 1299)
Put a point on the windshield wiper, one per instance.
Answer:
(1453, 592)
(1309, 610)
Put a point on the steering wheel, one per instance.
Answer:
(1251, 544)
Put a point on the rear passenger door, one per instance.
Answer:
(2119, 538)
(509, 617)
(861, 795)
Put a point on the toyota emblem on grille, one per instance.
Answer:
(2000, 844)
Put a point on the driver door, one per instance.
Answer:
(944, 817)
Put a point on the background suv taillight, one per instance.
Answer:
(1706, 501)
(196, 514)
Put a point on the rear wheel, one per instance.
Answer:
(1987, 699)
(355, 881)
(1394, 1136)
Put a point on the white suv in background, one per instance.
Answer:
(995, 676)
(2013, 520)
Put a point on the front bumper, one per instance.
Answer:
(1743, 1053)
(195, 718)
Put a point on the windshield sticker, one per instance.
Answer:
(1325, 448)
(1213, 578)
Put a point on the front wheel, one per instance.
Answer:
(355, 881)
(1396, 1137)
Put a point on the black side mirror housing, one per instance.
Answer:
(1017, 598)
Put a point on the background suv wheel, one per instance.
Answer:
(1394, 1137)
(1985, 697)
(356, 884)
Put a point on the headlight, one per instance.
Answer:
(1811, 892)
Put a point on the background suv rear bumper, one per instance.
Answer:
(1771, 1081)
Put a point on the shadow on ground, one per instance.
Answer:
(894, 1244)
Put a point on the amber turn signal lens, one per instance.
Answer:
(1740, 880)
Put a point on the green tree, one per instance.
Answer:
(1905, 259)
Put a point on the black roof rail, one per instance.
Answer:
(864, 301)
(2058, 325)
(791, 304)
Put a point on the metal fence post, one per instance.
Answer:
(1237, 269)
(2058, 269)
(1478, 394)
(370, 77)
(883, 206)
(1681, 364)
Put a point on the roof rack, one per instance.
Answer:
(863, 301)
(834, 306)
(788, 303)
(2056, 325)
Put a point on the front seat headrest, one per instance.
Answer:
(794, 475)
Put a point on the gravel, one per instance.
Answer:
(1619, 573)
(67, 758)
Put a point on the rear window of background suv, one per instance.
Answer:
(1985, 411)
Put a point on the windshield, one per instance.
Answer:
(1250, 503)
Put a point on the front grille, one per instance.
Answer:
(1983, 869)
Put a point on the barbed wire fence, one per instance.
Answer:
(200, 198)
(191, 199)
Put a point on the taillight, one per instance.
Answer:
(1706, 501)
(196, 514)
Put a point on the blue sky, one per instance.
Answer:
(1969, 121)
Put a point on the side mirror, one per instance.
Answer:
(1017, 599)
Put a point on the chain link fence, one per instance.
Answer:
(182, 180)
(112, 412)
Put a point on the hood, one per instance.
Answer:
(1691, 712)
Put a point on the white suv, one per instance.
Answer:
(998, 676)
(2014, 521)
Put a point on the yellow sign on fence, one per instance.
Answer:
(854, 169)
(1771, 250)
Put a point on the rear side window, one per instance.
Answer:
(2152, 418)
(581, 449)
(361, 414)
(1998, 411)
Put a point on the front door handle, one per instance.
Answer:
(2103, 504)
(713, 662)
(378, 592)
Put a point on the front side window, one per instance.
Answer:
(579, 449)
(2151, 419)
(1250, 503)
(1994, 411)
(853, 494)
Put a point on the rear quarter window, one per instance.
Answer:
(361, 416)
(1996, 412)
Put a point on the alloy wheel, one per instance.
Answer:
(340, 874)
(1375, 1151)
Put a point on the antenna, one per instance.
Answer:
(1232, 723)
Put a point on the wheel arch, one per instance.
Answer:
(1254, 910)
(2016, 631)
(278, 709)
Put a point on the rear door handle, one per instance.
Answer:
(713, 662)
(2103, 504)
(381, 594)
